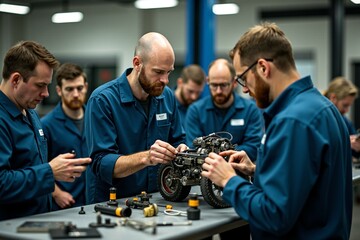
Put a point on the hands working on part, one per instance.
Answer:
(219, 171)
(162, 152)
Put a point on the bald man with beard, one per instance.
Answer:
(132, 123)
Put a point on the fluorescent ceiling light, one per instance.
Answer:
(11, 8)
(148, 4)
(225, 9)
(356, 1)
(67, 17)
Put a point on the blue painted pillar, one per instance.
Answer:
(200, 34)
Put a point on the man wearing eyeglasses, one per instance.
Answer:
(227, 114)
(63, 128)
(302, 186)
(225, 111)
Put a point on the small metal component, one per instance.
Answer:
(151, 210)
(139, 225)
(99, 223)
(193, 212)
(82, 210)
(112, 201)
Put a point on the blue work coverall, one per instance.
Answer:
(115, 125)
(182, 111)
(26, 178)
(242, 120)
(303, 179)
(63, 136)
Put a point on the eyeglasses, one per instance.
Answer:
(240, 78)
(214, 86)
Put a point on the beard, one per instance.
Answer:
(261, 94)
(186, 101)
(221, 98)
(74, 104)
(153, 89)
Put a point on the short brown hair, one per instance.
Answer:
(68, 71)
(24, 56)
(193, 72)
(265, 40)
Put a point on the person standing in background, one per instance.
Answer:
(342, 93)
(132, 123)
(225, 111)
(302, 179)
(63, 128)
(26, 177)
(189, 87)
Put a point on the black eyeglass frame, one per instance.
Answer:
(239, 78)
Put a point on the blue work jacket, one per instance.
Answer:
(115, 125)
(182, 111)
(63, 136)
(352, 131)
(303, 179)
(26, 178)
(242, 120)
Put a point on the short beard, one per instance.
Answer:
(149, 88)
(262, 90)
(74, 105)
(223, 100)
(184, 100)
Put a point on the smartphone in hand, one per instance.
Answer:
(357, 135)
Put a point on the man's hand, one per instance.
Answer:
(66, 168)
(160, 152)
(240, 161)
(217, 169)
(63, 199)
(355, 142)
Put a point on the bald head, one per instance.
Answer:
(154, 45)
(221, 65)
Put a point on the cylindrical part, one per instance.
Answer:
(111, 210)
(193, 213)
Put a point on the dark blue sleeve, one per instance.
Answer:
(100, 134)
(276, 205)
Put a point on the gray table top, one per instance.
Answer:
(211, 221)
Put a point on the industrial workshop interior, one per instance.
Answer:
(101, 38)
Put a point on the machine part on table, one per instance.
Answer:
(174, 223)
(82, 210)
(176, 178)
(193, 212)
(98, 223)
(70, 231)
(151, 210)
(112, 201)
(111, 210)
(141, 201)
(139, 225)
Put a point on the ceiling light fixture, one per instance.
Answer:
(12, 8)
(66, 16)
(356, 1)
(225, 8)
(149, 4)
